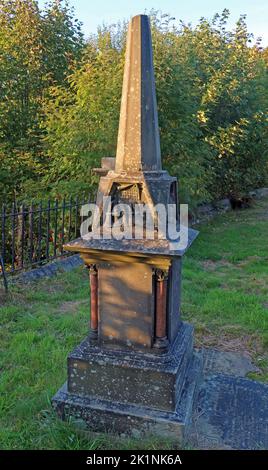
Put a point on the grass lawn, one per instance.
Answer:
(225, 295)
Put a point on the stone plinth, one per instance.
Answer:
(136, 372)
(112, 391)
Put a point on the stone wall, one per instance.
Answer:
(207, 211)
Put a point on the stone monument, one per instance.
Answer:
(136, 373)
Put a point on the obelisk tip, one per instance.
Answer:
(138, 146)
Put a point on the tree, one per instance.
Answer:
(60, 101)
(37, 49)
(82, 119)
(212, 99)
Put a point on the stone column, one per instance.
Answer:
(94, 307)
(161, 340)
(139, 371)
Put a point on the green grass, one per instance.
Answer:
(41, 323)
(225, 295)
(225, 284)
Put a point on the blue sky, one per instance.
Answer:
(94, 13)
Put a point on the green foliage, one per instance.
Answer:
(183, 149)
(37, 50)
(35, 342)
(212, 98)
(81, 121)
(227, 267)
(59, 105)
(232, 107)
(225, 288)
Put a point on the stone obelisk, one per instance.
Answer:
(138, 146)
(136, 370)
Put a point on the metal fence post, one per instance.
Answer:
(4, 274)
(34, 234)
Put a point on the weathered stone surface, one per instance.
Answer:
(50, 269)
(145, 247)
(174, 299)
(138, 147)
(136, 378)
(224, 205)
(227, 362)
(107, 164)
(231, 413)
(118, 418)
(126, 309)
(259, 193)
(140, 371)
(138, 177)
(208, 211)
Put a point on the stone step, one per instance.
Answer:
(192, 383)
(100, 415)
(133, 378)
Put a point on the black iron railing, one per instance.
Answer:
(32, 235)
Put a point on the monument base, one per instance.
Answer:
(155, 417)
